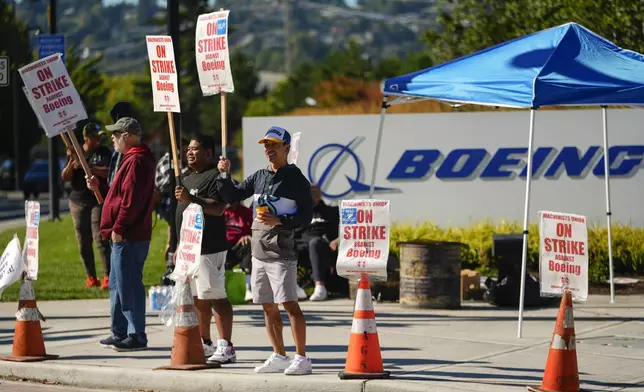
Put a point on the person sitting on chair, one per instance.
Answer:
(316, 242)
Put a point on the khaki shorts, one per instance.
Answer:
(210, 278)
(274, 281)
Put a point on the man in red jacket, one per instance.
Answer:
(126, 220)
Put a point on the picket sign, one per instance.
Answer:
(30, 251)
(294, 152)
(213, 62)
(11, 264)
(52, 94)
(563, 254)
(364, 239)
(165, 84)
(189, 249)
(55, 101)
(212, 55)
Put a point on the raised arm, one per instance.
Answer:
(230, 192)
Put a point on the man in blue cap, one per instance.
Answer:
(282, 198)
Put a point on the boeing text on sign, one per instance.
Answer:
(456, 168)
(189, 249)
(32, 217)
(52, 94)
(563, 254)
(165, 85)
(212, 55)
(364, 238)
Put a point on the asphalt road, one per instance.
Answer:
(11, 386)
(14, 207)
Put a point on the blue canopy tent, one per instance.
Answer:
(567, 65)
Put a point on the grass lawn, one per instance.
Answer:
(61, 274)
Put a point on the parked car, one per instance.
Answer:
(36, 179)
(7, 175)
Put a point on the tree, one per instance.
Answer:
(88, 81)
(347, 65)
(466, 26)
(245, 79)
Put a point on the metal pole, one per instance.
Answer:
(15, 86)
(524, 261)
(173, 31)
(287, 36)
(608, 212)
(54, 191)
(381, 126)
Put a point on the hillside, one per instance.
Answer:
(384, 28)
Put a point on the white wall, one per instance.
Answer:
(460, 201)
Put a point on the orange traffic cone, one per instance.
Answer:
(28, 343)
(561, 374)
(187, 349)
(364, 360)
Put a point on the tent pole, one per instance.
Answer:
(383, 111)
(524, 256)
(608, 212)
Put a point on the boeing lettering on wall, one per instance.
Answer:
(466, 163)
(455, 168)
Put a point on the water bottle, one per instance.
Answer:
(164, 296)
(158, 298)
(153, 298)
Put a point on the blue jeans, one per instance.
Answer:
(127, 293)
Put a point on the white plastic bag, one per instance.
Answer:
(166, 314)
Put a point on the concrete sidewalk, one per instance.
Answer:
(474, 348)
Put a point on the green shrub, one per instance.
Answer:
(628, 245)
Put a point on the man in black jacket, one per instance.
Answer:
(283, 203)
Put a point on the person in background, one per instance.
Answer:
(239, 219)
(283, 203)
(316, 240)
(200, 186)
(163, 194)
(127, 221)
(83, 206)
(120, 109)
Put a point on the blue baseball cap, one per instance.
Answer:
(276, 134)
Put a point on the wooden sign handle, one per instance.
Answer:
(81, 157)
(66, 141)
(173, 146)
(224, 130)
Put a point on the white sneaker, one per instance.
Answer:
(299, 366)
(248, 296)
(320, 294)
(224, 353)
(301, 294)
(274, 364)
(208, 349)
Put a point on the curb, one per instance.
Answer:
(128, 379)
(170, 381)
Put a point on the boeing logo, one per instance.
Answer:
(337, 169)
(328, 160)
